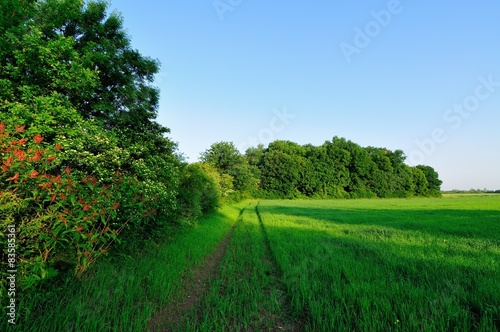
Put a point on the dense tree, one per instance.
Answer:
(226, 158)
(70, 81)
(420, 182)
(338, 169)
(200, 191)
(255, 155)
(339, 158)
(283, 171)
(432, 177)
(223, 155)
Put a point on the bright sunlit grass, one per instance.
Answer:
(425, 264)
(123, 296)
(246, 295)
(378, 265)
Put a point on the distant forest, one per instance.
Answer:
(337, 169)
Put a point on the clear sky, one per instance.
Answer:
(420, 76)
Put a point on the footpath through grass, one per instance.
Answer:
(124, 296)
(390, 265)
(247, 294)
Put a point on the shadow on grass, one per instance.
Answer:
(362, 282)
(484, 224)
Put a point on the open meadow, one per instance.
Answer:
(378, 265)
(426, 264)
(359, 265)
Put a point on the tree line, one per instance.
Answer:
(337, 169)
(86, 168)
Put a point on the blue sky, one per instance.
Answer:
(420, 76)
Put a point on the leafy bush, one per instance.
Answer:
(59, 213)
(200, 191)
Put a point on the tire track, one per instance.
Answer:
(194, 286)
(287, 322)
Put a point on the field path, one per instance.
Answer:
(194, 287)
(237, 287)
(286, 322)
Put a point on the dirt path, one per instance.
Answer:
(196, 285)
(193, 288)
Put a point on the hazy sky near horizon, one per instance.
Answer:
(420, 76)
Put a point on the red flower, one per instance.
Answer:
(19, 154)
(115, 206)
(33, 174)
(14, 178)
(5, 168)
(79, 229)
(86, 207)
(67, 170)
(37, 156)
(2, 127)
(7, 162)
(58, 147)
(20, 129)
(46, 184)
(51, 158)
(38, 139)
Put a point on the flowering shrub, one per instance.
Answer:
(60, 213)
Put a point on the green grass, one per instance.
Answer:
(430, 264)
(123, 296)
(246, 295)
(380, 265)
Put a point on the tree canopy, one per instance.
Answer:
(80, 147)
(337, 169)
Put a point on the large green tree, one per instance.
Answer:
(432, 177)
(70, 77)
(79, 52)
(223, 155)
(226, 158)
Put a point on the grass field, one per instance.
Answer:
(428, 264)
(125, 295)
(378, 265)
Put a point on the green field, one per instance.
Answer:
(428, 264)
(378, 265)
